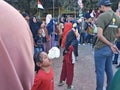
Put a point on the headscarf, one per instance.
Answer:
(16, 50)
(67, 28)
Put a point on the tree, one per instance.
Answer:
(70, 5)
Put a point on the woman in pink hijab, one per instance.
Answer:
(16, 50)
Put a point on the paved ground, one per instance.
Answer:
(84, 75)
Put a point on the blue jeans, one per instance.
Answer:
(39, 49)
(82, 38)
(103, 63)
(116, 55)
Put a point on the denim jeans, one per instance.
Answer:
(103, 63)
(116, 55)
(39, 49)
(82, 38)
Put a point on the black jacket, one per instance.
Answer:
(72, 40)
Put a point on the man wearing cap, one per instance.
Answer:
(108, 25)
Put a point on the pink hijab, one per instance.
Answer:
(16, 50)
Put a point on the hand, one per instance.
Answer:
(114, 49)
(65, 52)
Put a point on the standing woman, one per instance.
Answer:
(46, 40)
(51, 31)
(67, 28)
(34, 26)
(61, 28)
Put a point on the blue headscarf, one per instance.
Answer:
(51, 26)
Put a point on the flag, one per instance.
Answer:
(80, 3)
(40, 5)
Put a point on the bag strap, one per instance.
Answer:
(109, 22)
(96, 39)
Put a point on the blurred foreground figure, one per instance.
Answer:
(16, 50)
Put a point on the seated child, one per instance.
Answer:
(44, 79)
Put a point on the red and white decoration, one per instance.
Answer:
(80, 3)
(40, 5)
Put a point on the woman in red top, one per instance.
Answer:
(44, 80)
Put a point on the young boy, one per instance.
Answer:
(44, 80)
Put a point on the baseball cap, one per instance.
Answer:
(104, 2)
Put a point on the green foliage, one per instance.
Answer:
(70, 5)
(22, 5)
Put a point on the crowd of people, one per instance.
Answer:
(69, 32)
(36, 37)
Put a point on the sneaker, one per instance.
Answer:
(76, 58)
(61, 83)
(70, 87)
(83, 44)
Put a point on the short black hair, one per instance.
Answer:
(38, 57)
(25, 14)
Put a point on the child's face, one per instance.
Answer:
(46, 62)
(34, 20)
(43, 24)
(40, 31)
